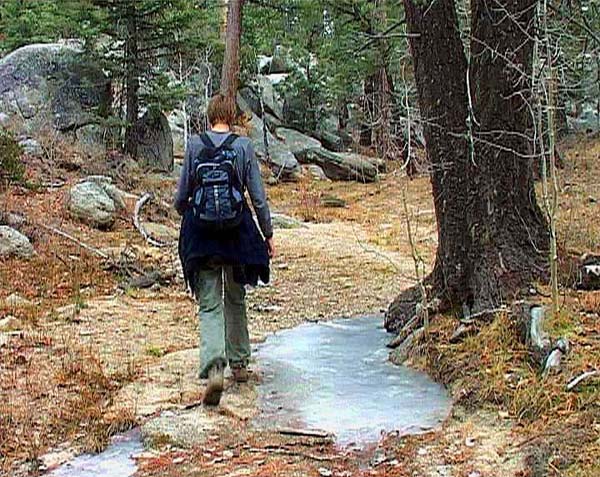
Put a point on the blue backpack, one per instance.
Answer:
(218, 198)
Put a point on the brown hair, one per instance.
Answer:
(221, 109)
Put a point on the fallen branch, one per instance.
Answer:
(272, 450)
(145, 199)
(575, 382)
(406, 331)
(292, 431)
(83, 245)
(468, 318)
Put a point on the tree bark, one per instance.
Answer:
(231, 62)
(492, 236)
(511, 240)
(132, 81)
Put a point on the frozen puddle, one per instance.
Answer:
(115, 461)
(336, 377)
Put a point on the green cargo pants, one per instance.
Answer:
(223, 323)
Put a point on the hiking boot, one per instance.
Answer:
(214, 388)
(240, 374)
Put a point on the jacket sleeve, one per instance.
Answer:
(185, 181)
(258, 196)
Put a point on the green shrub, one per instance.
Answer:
(12, 168)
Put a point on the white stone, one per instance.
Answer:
(89, 202)
(16, 301)
(14, 244)
(10, 323)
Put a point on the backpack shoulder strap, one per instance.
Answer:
(207, 141)
(230, 140)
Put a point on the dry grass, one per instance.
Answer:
(53, 391)
(492, 367)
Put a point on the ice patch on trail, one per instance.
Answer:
(336, 377)
(115, 461)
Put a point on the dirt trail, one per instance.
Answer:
(323, 271)
(353, 262)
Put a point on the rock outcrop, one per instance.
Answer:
(155, 146)
(52, 86)
(345, 166)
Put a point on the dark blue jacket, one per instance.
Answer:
(244, 249)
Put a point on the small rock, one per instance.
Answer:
(31, 147)
(178, 460)
(470, 442)
(10, 323)
(13, 220)
(4, 338)
(333, 202)
(316, 172)
(89, 202)
(324, 472)
(67, 312)
(16, 301)
(281, 221)
(422, 451)
(14, 244)
(162, 233)
(589, 273)
(592, 199)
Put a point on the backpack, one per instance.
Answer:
(217, 198)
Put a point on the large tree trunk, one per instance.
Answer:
(231, 62)
(511, 241)
(492, 236)
(132, 80)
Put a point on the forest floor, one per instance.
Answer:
(93, 357)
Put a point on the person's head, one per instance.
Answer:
(221, 110)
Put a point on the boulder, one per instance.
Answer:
(155, 141)
(277, 63)
(297, 142)
(89, 202)
(53, 85)
(14, 244)
(272, 102)
(272, 122)
(342, 166)
(315, 172)
(281, 157)
(116, 194)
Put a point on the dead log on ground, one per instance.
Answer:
(145, 199)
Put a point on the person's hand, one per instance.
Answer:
(271, 247)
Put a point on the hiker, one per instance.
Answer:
(220, 246)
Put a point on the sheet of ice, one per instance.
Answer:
(336, 377)
(115, 461)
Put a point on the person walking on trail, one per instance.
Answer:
(220, 246)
